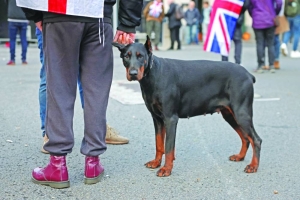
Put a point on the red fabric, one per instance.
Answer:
(57, 6)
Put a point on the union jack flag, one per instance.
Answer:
(86, 8)
(223, 19)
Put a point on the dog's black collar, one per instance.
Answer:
(150, 65)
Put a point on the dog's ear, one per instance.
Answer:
(148, 45)
(119, 46)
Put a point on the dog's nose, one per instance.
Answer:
(133, 72)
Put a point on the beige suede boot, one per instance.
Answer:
(112, 136)
(46, 139)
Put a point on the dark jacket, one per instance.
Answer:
(263, 12)
(241, 18)
(130, 12)
(193, 17)
(14, 12)
(173, 22)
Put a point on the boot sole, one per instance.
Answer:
(90, 181)
(112, 142)
(57, 185)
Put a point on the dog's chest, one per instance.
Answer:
(153, 103)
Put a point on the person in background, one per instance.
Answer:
(174, 24)
(17, 22)
(206, 18)
(193, 19)
(292, 12)
(89, 49)
(237, 37)
(281, 28)
(154, 14)
(264, 15)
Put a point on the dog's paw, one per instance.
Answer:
(251, 168)
(153, 164)
(236, 158)
(163, 172)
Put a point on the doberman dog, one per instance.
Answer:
(174, 89)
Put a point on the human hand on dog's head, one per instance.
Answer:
(122, 46)
(124, 38)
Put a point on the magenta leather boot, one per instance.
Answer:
(55, 174)
(93, 170)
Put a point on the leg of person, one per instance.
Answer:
(237, 39)
(195, 33)
(112, 135)
(149, 28)
(286, 37)
(23, 30)
(259, 37)
(96, 63)
(277, 51)
(190, 33)
(62, 66)
(269, 38)
(12, 42)
(186, 35)
(177, 37)
(42, 90)
(204, 31)
(225, 58)
(157, 30)
(172, 33)
(296, 33)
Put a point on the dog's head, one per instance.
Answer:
(135, 58)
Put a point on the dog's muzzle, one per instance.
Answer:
(133, 74)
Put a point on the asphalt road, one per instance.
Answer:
(203, 144)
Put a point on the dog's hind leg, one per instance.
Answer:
(243, 116)
(171, 125)
(229, 117)
(160, 132)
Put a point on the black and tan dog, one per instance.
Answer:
(174, 89)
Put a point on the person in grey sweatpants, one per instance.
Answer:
(96, 61)
(70, 41)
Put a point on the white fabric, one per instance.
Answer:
(86, 8)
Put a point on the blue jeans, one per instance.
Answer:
(277, 47)
(42, 90)
(294, 30)
(14, 28)
(193, 33)
(80, 89)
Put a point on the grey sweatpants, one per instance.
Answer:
(68, 45)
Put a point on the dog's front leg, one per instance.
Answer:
(160, 132)
(171, 124)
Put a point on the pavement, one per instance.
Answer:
(201, 169)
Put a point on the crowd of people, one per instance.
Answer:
(89, 63)
(275, 23)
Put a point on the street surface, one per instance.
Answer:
(203, 144)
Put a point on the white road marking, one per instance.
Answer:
(267, 99)
(125, 95)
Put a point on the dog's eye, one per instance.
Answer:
(126, 57)
(140, 56)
